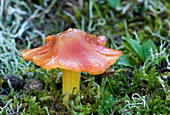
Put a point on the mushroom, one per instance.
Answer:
(73, 51)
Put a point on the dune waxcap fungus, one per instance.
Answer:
(73, 51)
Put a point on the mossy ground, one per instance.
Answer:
(138, 83)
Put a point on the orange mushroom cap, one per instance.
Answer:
(74, 50)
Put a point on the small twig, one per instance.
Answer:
(62, 109)
(54, 101)
(54, 104)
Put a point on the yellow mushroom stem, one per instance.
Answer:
(70, 80)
